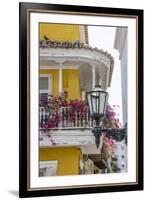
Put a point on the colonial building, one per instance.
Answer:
(69, 67)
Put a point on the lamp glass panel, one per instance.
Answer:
(102, 102)
(95, 102)
(43, 97)
(89, 103)
(107, 96)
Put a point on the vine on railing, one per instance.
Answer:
(59, 112)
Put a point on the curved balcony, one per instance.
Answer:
(97, 64)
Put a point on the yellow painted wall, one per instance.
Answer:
(74, 84)
(71, 81)
(68, 159)
(60, 32)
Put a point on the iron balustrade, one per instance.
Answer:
(65, 121)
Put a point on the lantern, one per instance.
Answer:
(97, 101)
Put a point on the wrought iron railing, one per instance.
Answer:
(65, 121)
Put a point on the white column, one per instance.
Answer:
(93, 76)
(100, 82)
(60, 78)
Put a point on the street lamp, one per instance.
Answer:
(97, 101)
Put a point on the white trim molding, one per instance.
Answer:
(48, 168)
(80, 56)
(62, 138)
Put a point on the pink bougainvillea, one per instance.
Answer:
(76, 107)
(111, 120)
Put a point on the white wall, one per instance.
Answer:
(121, 44)
(124, 81)
(9, 99)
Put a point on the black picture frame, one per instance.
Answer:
(24, 99)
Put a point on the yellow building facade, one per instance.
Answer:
(71, 77)
(61, 32)
(70, 82)
(68, 157)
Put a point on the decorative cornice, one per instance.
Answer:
(77, 45)
(72, 45)
(67, 138)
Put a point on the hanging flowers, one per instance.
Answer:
(79, 108)
(110, 120)
(53, 106)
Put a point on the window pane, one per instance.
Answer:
(44, 97)
(43, 84)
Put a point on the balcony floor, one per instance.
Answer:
(60, 137)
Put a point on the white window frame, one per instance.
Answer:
(49, 164)
(49, 91)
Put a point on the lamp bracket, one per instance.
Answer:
(117, 134)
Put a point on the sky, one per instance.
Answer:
(103, 38)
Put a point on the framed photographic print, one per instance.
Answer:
(81, 99)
